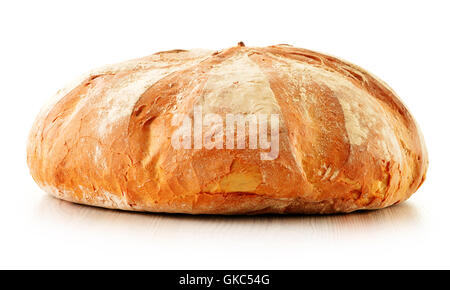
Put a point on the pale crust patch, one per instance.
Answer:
(238, 86)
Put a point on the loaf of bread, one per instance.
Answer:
(331, 137)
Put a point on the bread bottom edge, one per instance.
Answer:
(224, 204)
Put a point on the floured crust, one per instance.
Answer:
(346, 140)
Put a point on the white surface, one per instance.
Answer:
(45, 44)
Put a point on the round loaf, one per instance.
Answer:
(346, 141)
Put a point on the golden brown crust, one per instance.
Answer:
(347, 142)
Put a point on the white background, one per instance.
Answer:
(45, 44)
